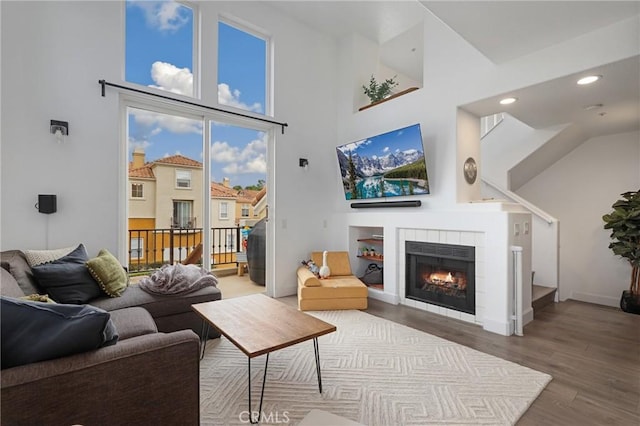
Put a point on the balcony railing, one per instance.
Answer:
(149, 249)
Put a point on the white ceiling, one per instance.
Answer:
(510, 29)
(507, 30)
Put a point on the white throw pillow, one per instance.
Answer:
(40, 257)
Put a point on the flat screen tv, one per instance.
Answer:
(388, 165)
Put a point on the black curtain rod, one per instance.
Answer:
(105, 83)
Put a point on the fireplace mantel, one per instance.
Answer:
(489, 229)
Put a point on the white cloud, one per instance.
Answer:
(386, 149)
(250, 159)
(163, 15)
(159, 122)
(229, 97)
(353, 146)
(257, 165)
(135, 143)
(171, 78)
(222, 152)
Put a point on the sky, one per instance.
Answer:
(159, 53)
(398, 140)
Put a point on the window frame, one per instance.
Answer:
(177, 207)
(257, 32)
(139, 250)
(195, 56)
(177, 178)
(133, 191)
(223, 215)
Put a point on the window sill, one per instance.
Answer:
(404, 92)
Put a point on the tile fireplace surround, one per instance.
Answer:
(488, 228)
(473, 239)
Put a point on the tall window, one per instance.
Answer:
(245, 210)
(242, 68)
(159, 45)
(182, 215)
(183, 179)
(162, 51)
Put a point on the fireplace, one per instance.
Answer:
(441, 274)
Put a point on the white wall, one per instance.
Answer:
(53, 54)
(578, 190)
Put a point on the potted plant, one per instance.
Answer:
(379, 91)
(624, 223)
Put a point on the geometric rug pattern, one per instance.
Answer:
(375, 372)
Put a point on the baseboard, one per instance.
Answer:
(596, 299)
(498, 327)
(383, 296)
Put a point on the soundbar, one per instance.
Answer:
(414, 203)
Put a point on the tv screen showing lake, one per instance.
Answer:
(387, 165)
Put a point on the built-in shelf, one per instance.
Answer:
(403, 92)
(376, 258)
(371, 240)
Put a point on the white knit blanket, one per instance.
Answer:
(178, 279)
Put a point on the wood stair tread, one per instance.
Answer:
(541, 296)
(539, 291)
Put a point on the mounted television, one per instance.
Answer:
(388, 165)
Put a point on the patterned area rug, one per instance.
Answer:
(374, 372)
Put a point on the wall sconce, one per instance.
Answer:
(60, 129)
(304, 163)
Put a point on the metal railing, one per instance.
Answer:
(149, 249)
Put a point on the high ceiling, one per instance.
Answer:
(507, 30)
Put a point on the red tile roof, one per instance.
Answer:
(146, 171)
(247, 195)
(179, 160)
(218, 190)
(259, 196)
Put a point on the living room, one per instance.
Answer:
(54, 53)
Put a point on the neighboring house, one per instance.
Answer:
(164, 206)
(165, 209)
(246, 213)
(259, 203)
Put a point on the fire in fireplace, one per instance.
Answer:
(441, 274)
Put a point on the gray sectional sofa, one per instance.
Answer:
(150, 376)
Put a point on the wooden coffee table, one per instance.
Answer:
(258, 325)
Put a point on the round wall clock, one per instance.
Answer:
(470, 170)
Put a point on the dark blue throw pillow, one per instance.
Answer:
(36, 331)
(67, 280)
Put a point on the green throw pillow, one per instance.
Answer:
(108, 272)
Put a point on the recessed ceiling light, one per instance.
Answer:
(589, 79)
(507, 101)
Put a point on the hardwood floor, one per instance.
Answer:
(591, 351)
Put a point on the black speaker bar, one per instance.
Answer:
(414, 203)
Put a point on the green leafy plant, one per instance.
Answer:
(378, 91)
(624, 223)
